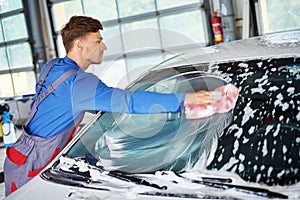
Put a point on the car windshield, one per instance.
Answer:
(137, 143)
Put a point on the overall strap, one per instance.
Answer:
(43, 76)
(52, 87)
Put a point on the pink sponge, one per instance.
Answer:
(226, 96)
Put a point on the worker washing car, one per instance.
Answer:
(65, 91)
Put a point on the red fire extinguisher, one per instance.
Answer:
(217, 28)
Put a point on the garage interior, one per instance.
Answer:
(139, 35)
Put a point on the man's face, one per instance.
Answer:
(93, 48)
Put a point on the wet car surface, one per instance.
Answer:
(250, 152)
(262, 143)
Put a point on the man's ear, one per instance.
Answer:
(78, 44)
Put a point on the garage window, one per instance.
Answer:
(279, 15)
(134, 30)
(16, 69)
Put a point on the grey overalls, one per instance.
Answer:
(30, 154)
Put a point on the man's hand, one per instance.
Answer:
(202, 97)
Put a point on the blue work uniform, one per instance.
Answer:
(84, 91)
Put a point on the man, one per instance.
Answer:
(64, 91)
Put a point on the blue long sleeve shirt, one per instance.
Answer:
(84, 91)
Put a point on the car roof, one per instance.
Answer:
(274, 45)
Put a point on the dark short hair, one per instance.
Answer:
(78, 26)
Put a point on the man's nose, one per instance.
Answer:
(104, 47)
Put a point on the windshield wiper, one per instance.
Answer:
(246, 189)
(222, 183)
(135, 180)
(71, 179)
(140, 181)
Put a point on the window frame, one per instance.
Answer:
(6, 45)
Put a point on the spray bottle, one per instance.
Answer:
(8, 129)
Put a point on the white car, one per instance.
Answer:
(252, 151)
